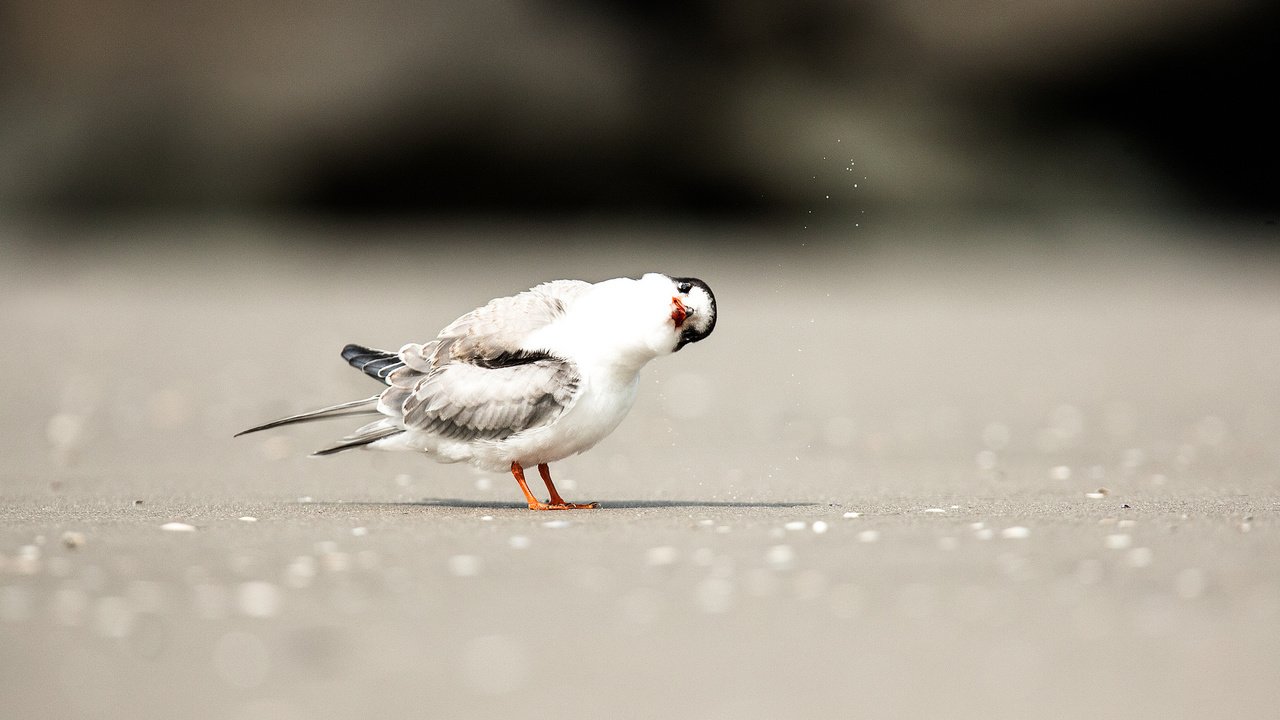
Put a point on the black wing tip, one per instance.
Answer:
(351, 350)
(377, 364)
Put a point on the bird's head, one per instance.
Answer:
(637, 320)
(673, 311)
(693, 309)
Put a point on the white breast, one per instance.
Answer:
(603, 401)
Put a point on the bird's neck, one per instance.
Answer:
(617, 368)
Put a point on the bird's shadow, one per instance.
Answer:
(604, 504)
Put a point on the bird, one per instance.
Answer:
(523, 380)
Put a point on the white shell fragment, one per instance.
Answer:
(780, 557)
(464, 566)
(1118, 541)
(1140, 557)
(178, 527)
(259, 599)
(661, 555)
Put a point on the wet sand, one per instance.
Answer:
(1033, 473)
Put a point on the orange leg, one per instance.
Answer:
(534, 503)
(558, 502)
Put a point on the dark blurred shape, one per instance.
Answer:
(680, 109)
(1201, 111)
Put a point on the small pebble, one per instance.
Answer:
(464, 566)
(661, 555)
(1117, 541)
(1140, 557)
(72, 540)
(259, 599)
(486, 518)
(248, 518)
(299, 572)
(336, 561)
(851, 515)
(178, 527)
(780, 557)
(869, 536)
(1017, 532)
(819, 527)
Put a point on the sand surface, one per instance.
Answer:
(1032, 473)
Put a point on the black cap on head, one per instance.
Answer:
(704, 321)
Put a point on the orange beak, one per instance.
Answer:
(678, 314)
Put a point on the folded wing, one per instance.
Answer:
(475, 381)
(464, 402)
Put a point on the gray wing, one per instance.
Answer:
(462, 401)
(476, 382)
(500, 327)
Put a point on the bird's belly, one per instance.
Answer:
(595, 414)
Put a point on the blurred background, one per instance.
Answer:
(987, 428)
(563, 109)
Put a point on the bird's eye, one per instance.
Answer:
(684, 287)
